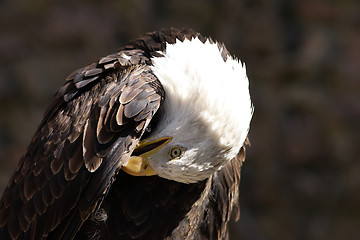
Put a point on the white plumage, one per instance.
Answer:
(207, 109)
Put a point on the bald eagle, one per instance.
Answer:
(145, 143)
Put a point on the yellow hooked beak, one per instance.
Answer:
(138, 164)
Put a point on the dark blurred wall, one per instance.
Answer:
(301, 179)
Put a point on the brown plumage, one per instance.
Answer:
(69, 184)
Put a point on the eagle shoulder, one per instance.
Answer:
(95, 121)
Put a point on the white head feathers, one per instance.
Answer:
(207, 109)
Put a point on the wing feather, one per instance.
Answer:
(84, 139)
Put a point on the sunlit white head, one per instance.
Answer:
(207, 110)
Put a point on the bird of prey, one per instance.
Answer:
(145, 143)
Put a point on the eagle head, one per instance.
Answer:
(205, 117)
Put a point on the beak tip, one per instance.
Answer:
(138, 166)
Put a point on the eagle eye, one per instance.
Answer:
(175, 152)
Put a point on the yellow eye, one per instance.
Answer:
(175, 152)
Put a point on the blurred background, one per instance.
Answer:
(301, 179)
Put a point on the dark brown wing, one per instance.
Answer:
(90, 130)
(146, 208)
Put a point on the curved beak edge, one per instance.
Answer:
(139, 165)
